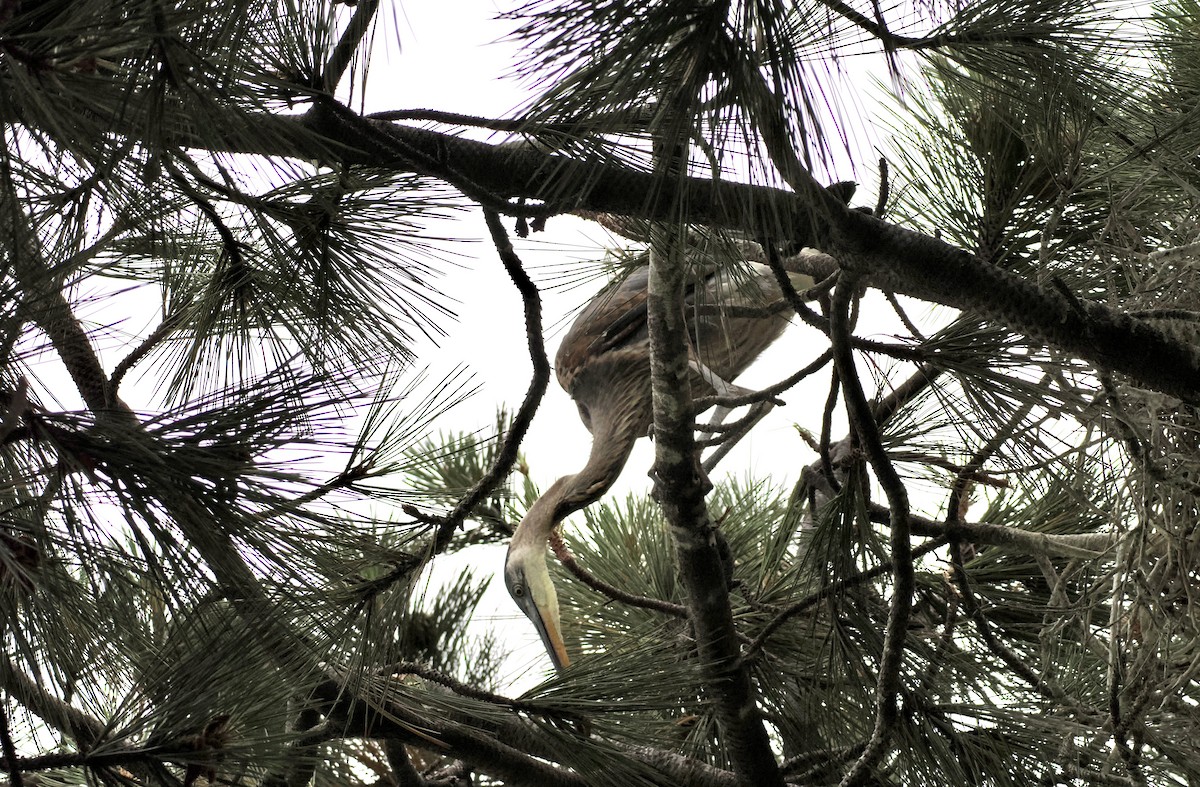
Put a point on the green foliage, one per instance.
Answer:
(222, 508)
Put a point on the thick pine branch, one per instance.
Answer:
(889, 256)
(891, 662)
(680, 486)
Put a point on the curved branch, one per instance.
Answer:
(507, 456)
(863, 420)
(615, 593)
(770, 392)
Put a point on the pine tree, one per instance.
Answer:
(981, 573)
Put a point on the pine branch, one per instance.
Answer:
(835, 588)
(1012, 660)
(59, 715)
(1088, 546)
(525, 743)
(506, 457)
(75, 350)
(401, 764)
(862, 419)
(164, 329)
(680, 486)
(471, 692)
(54, 314)
(616, 594)
(348, 45)
(10, 751)
(890, 256)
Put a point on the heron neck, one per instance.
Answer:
(612, 441)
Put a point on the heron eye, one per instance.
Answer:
(518, 590)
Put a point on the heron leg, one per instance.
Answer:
(726, 389)
(757, 411)
(722, 388)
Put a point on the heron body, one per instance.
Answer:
(604, 364)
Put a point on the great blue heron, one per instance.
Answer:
(604, 364)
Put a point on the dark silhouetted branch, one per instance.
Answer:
(832, 589)
(600, 586)
(507, 456)
(680, 486)
(348, 44)
(862, 419)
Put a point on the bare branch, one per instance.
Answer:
(863, 421)
(616, 594)
(62, 716)
(507, 455)
(679, 487)
(770, 392)
(9, 750)
(1089, 546)
(348, 44)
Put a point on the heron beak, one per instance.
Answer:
(541, 606)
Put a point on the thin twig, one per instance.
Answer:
(909, 325)
(767, 393)
(731, 434)
(156, 337)
(825, 452)
(884, 189)
(563, 553)
(832, 589)
(231, 245)
(506, 457)
(904, 393)
(1012, 660)
(863, 421)
(967, 475)
(472, 692)
(960, 471)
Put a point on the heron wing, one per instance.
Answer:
(615, 322)
(614, 319)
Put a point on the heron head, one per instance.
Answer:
(528, 582)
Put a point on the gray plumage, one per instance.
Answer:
(604, 364)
